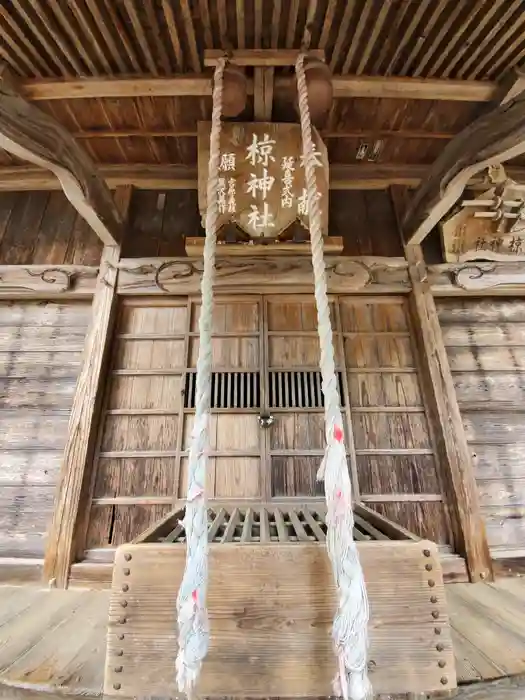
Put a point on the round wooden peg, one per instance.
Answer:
(234, 90)
(320, 90)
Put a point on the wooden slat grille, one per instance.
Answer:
(251, 524)
(292, 389)
(228, 390)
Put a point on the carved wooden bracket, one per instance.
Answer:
(33, 135)
(183, 275)
(47, 280)
(494, 137)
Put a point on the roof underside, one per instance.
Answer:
(445, 39)
(478, 39)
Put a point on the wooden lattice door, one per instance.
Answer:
(294, 398)
(267, 414)
(234, 469)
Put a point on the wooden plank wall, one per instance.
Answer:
(485, 340)
(42, 227)
(395, 454)
(41, 347)
(159, 220)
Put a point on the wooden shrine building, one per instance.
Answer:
(105, 111)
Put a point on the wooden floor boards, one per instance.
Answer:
(488, 625)
(55, 641)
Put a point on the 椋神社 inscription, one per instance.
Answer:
(262, 185)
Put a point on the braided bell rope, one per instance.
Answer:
(191, 602)
(349, 631)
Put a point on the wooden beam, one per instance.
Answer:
(413, 88)
(170, 177)
(265, 116)
(365, 176)
(32, 135)
(354, 176)
(154, 276)
(83, 423)
(495, 137)
(265, 58)
(199, 85)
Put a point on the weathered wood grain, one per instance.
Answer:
(503, 461)
(182, 275)
(482, 310)
(479, 644)
(487, 353)
(33, 135)
(78, 448)
(454, 453)
(496, 136)
(282, 648)
(506, 689)
(75, 482)
(38, 369)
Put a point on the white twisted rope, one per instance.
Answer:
(191, 601)
(349, 630)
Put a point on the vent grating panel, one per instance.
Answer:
(291, 389)
(228, 390)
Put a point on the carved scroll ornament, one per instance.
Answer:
(37, 279)
(182, 276)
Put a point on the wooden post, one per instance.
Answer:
(83, 421)
(452, 447)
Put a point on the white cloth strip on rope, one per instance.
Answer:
(191, 601)
(349, 630)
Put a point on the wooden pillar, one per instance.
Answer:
(83, 422)
(452, 447)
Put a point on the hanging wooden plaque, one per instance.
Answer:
(262, 187)
(469, 236)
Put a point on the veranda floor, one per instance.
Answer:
(55, 641)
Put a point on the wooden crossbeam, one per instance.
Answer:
(32, 135)
(199, 85)
(259, 57)
(356, 176)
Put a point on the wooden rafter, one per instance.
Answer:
(430, 37)
(495, 137)
(32, 135)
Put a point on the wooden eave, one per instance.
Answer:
(130, 80)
